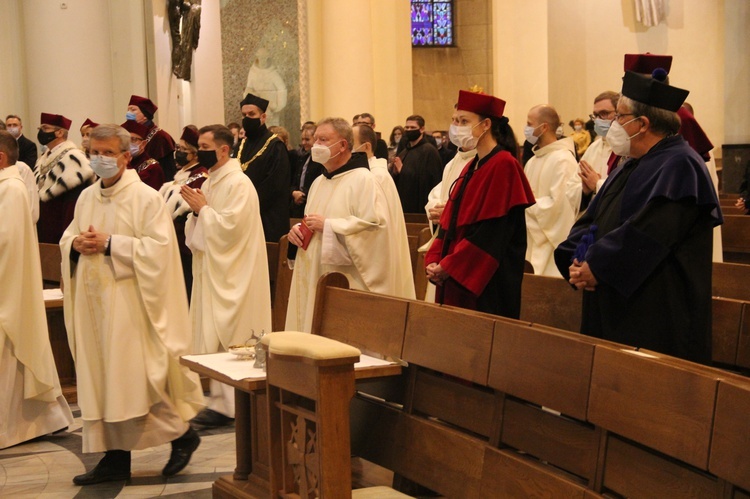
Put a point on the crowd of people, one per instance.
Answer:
(163, 242)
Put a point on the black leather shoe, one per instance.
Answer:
(114, 466)
(208, 418)
(182, 450)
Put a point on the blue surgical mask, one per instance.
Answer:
(104, 166)
(601, 127)
(130, 116)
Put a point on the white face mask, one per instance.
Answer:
(104, 166)
(135, 150)
(462, 136)
(578, 128)
(559, 133)
(322, 154)
(618, 138)
(528, 133)
(14, 131)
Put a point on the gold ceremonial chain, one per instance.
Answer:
(46, 167)
(193, 178)
(145, 165)
(151, 134)
(262, 150)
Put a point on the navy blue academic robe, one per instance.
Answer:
(651, 253)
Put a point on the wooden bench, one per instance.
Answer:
(492, 407)
(735, 238)
(730, 280)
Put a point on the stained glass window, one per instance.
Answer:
(431, 23)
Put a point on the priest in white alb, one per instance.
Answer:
(347, 217)
(126, 314)
(31, 402)
(399, 257)
(231, 298)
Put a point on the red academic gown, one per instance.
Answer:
(160, 146)
(481, 242)
(148, 169)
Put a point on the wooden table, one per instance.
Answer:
(251, 475)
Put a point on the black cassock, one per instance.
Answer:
(651, 253)
(266, 162)
(422, 170)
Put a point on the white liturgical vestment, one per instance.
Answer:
(31, 402)
(127, 320)
(551, 174)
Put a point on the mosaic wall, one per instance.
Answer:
(260, 53)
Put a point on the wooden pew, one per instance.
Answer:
(415, 218)
(731, 280)
(735, 238)
(420, 279)
(492, 407)
(49, 255)
(283, 278)
(272, 253)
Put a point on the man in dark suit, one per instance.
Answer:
(27, 151)
(305, 172)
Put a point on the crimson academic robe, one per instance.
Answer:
(651, 253)
(482, 238)
(148, 169)
(160, 146)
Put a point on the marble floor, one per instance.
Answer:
(45, 467)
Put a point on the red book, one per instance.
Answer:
(307, 234)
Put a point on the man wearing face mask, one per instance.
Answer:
(417, 168)
(366, 141)
(477, 258)
(148, 169)
(26, 148)
(642, 250)
(345, 226)
(191, 174)
(159, 144)
(231, 296)
(594, 164)
(126, 315)
(552, 176)
(264, 159)
(61, 173)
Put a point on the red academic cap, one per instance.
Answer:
(57, 120)
(478, 103)
(145, 105)
(90, 123)
(652, 92)
(647, 63)
(190, 136)
(134, 127)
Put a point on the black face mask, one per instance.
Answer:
(412, 135)
(207, 159)
(45, 138)
(181, 158)
(251, 126)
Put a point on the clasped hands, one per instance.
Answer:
(194, 198)
(91, 242)
(316, 223)
(435, 273)
(581, 276)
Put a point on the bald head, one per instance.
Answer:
(545, 120)
(546, 114)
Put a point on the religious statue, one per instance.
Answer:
(265, 81)
(184, 27)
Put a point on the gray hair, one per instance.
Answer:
(342, 127)
(662, 122)
(110, 130)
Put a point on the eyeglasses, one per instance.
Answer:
(602, 115)
(618, 115)
(136, 140)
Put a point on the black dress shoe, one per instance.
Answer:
(208, 418)
(182, 450)
(114, 466)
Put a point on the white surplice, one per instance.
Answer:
(551, 173)
(31, 402)
(231, 296)
(354, 242)
(127, 321)
(400, 258)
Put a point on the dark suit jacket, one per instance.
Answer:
(27, 151)
(381, 151)
(313, 171)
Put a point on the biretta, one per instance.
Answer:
(190, 136)
(147, 107)
(57, 120)
(652, 92)
(134, 127)
(89, 123)
(254, 100)
(647, 63)
(480, 103)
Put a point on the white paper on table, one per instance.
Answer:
(52, 294)
(234, 368)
